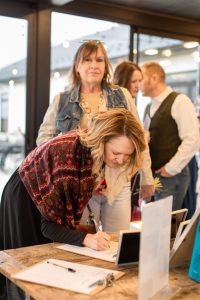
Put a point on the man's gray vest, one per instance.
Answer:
(70, 112)
(164, 137)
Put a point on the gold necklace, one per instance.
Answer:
(87, 109)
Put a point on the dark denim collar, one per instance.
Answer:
(74, 94)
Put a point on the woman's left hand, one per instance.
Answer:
(97, 241)
(146, 192)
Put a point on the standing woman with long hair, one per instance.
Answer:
(128, 75)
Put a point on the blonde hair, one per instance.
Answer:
(155, 68)
(86, 49)
(114, 123)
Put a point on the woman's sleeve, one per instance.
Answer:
(48, 128)
(60, 233)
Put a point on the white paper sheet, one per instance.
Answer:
(154, 247)
(108, 255)
(51, 275)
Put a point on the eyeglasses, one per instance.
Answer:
(94, 41)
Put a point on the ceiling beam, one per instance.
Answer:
(141, 18)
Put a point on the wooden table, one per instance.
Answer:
(12, 261)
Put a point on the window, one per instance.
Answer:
(13, 36)
(179, 59)
(4, 112)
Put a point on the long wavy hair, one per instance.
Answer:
(84, 51)
(105, 126)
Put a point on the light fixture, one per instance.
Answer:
(165, 63)
(56, 75)
(66, 44)
(11, 83)
(151, 51)
(167, 52)
(134, 51)
(14, 71)
(189, 45)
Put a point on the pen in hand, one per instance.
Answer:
(57, 265)
(105, 237)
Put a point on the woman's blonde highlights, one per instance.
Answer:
(105, 126)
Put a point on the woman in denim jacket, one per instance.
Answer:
(90, 92)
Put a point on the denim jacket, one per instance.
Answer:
(70, 112)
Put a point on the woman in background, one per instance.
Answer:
(128, 75)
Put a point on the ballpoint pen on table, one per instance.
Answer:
(57, 265)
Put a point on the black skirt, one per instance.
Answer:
(20, 220)
(20, 226)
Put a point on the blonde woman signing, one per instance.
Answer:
(90, 92)
(56, 180)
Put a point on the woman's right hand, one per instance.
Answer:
(98, 241)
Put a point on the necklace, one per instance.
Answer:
(87, 108)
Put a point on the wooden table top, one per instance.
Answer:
(15, 260)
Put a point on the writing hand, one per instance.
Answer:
(97, 241)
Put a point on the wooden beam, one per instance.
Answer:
(127, 15)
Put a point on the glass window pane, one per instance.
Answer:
(13, 36)
(179, 59)
(67, 33)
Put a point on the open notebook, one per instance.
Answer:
(126, 251)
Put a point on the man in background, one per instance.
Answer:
(173, 134)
